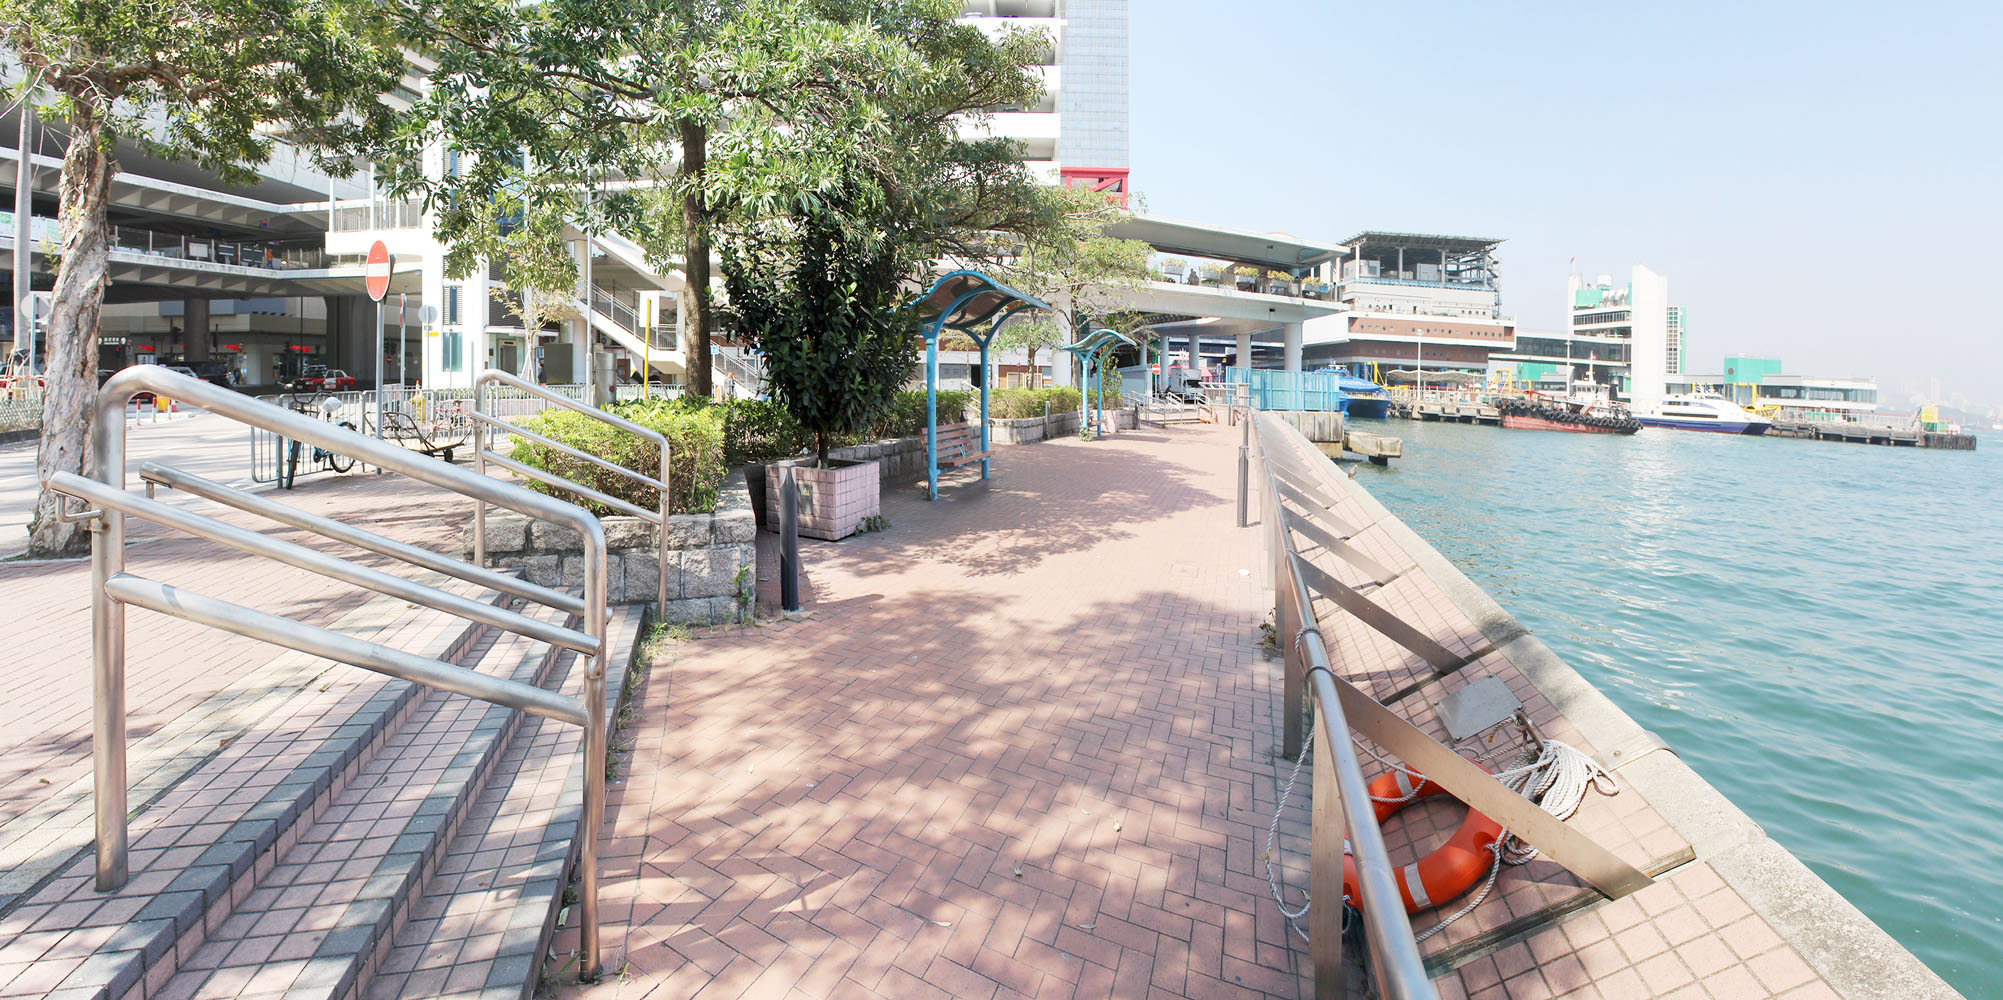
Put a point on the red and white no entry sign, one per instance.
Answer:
(376, 271)
(1155, 369)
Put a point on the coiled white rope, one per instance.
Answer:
(1556, 777)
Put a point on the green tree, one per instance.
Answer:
(214, 82)
(1070, 262)
(824, 304)
(677, 120)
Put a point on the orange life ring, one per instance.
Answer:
(1447, 872)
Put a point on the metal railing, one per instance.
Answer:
(1292, 470)
(112, 589)
(484, 417)
(1341, 806)
(363, 214)
(627, 314)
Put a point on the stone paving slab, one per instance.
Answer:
(1021, 746)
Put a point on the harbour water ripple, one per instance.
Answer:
(1817, 628)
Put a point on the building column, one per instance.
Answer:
(1244, 359)
(195, 323)
(1195, 353)
(1293, 347)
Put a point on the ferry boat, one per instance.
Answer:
(1575, 414)
(1364, 397)
(1704, 410)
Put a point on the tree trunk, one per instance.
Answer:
(695, 222)
(820, 449)
(1034, 381)
(68, 405)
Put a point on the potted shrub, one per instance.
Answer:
(822, 302)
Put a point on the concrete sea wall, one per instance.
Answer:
(1854, 955)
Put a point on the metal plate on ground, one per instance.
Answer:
(1480, 706)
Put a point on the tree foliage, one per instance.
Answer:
(680, 122)
(1070, 262)
(826, 307)
(214, 82)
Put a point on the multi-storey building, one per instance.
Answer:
(1627, 337)
(1078, 133)
(267, 278)
(1412, 301)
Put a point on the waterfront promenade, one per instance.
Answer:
(1021, 743)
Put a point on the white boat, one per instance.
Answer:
(1703, 410)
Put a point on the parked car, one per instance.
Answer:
(319, 379)
(215, 373)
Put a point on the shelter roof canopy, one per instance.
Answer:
(963, 300)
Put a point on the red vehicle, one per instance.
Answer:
(322, 380)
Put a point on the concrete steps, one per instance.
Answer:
(284, 862)
(316, 923)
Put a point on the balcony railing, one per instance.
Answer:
(363, 215)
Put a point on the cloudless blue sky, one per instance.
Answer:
(1821, 182)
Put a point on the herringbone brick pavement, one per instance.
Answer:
(1021, 745)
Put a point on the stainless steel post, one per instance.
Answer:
(789, 540)
(1244, 482)
(480, 469)
(661, 539)
(594, 749)
(107, 627)
(1328, 833)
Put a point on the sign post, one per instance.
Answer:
(402, 348)
(376, 272)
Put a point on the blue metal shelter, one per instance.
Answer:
(976, 305)
(1088, 350)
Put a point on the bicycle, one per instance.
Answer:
(326, 407)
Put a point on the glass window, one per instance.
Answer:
(452, 305)
(452, 351)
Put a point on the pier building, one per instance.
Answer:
(1413, 301)
(1759, 383)
(1624, 336)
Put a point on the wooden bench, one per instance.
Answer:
(960, 444)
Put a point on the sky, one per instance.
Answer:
(1819, 182)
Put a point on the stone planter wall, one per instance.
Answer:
(711, 561)
(833, 502)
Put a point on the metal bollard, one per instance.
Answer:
(1244, 482)
(789, 540)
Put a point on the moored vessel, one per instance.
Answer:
(1703, 410)
(1362, 397)
(1536, 411)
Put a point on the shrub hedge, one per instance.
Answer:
(696, 467)
(707, 439)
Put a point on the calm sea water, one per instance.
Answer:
(1817, 628)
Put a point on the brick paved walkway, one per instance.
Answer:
(1020, 746)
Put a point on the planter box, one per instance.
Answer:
(833, 502)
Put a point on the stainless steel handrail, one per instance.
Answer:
(1342, 810)
(482, 455)
(112, 589)
(341, 531)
